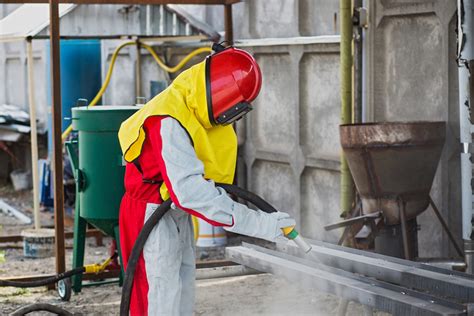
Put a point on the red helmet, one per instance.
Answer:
(233, 80)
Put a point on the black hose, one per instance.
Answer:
(135, 255)
(248, 196)
(153, 221)
(43, 282)
(49, 280)
(41, 307)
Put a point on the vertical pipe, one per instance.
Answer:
(465, 56)
(162, 20)
(57, 142)
(34, 133)
(347, 185)
(365, 4)
(357, 69)
(229, 28)
(174, 24)
(148, 20)
(138, 74)
(403, 223)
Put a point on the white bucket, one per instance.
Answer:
(210, 236)
(38, 243)
(21, 179)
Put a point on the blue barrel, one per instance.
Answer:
(80, 76)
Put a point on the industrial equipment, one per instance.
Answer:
(388, 284)
(98, 171)
(393, 165)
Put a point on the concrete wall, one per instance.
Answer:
(291, 147)
(274, 18)
(290, 143)
(13, 77)
(292, 137)
(412, 75)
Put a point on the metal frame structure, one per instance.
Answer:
(393, 285)
(56, 95)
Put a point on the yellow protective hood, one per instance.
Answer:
(185, 101)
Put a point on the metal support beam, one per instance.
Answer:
(446, 228)
(441, 282)
(382, 296)
(57, 159)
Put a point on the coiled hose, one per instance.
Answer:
(153, 221)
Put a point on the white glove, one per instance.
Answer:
(259, 224)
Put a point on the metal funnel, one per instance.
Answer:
(393, 163)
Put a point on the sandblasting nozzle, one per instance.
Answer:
(291, 233)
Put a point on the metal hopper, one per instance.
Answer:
(393, 163)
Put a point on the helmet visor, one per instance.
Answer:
(234, 114)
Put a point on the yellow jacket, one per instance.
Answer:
(185, 101)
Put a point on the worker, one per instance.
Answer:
(177, 146)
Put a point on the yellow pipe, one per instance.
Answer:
(104, 86)
(181, 64)
(155, 57)
(97, 268)
(347, 184)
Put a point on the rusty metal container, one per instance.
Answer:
(393, 163)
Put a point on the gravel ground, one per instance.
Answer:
(248, 295)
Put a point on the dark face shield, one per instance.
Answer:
(234, 114)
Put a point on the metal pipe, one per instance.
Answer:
(34, 132)
(357, 69)
(347, 184)
(57, 142)
(138, 74)
(449, 264)
(363, 83)
(403, 222)
(465, 57)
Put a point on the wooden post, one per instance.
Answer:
(34, 133)
(229, 28)
(57, 159)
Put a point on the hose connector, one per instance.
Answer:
(291, 233)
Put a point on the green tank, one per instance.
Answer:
(99, 169)
(101, 166)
